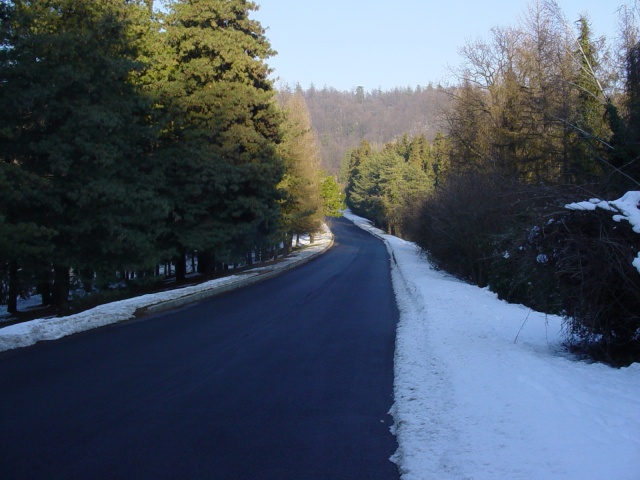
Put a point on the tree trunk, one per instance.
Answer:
(12, 301)
(288, 242)
(45, 288)
(87, 277)
(61, 285)
(181, 267)
(206, 263)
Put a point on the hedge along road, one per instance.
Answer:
(290, 378)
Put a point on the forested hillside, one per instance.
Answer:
(342, 120)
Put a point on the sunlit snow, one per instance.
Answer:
(484, 389)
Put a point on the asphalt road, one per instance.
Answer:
(290, 378)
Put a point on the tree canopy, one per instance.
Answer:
(131, 137)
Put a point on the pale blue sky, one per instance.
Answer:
(387, 44)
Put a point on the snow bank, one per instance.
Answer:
(28, 333)
(484, 390)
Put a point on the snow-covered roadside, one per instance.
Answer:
(28, 333)
(483, 389)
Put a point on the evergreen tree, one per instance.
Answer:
(352, 160)
(72, 120)
(383, 185)
(625, 127)
(24, 245)
(590, 132)
(403, 147)
(439, 159)
(332, 196)
(418, 153)
(633, 109)
(467, 128)
(220, 130)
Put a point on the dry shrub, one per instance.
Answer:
(592, 257)
(523, 243)
(463, 224)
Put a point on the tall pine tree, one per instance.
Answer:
(73, 123)
(218, 146)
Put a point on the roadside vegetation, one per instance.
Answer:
(544, 115)
(138, 145)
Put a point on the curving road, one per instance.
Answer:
(290, 378)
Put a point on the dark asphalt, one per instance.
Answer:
(290, 378)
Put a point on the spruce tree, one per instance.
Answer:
(352, 162)
(590, 131)
(625, 127)
(418, 152)
(383, 185)
(439, 159)
(220, 132)
(633, 109)
(72, 120)
(24, 245)
(332, 196)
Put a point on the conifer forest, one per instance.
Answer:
(138, 144)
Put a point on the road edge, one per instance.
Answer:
(45, 329)
(263, 274)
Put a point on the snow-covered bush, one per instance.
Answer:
(597, 253)
(582, 262)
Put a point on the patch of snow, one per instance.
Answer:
(30, 302)
(592, 204)
(626, 208)
(542, 258)
(484, 390)
(28, 333)
(627, 205)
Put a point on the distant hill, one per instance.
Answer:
(343, 119)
